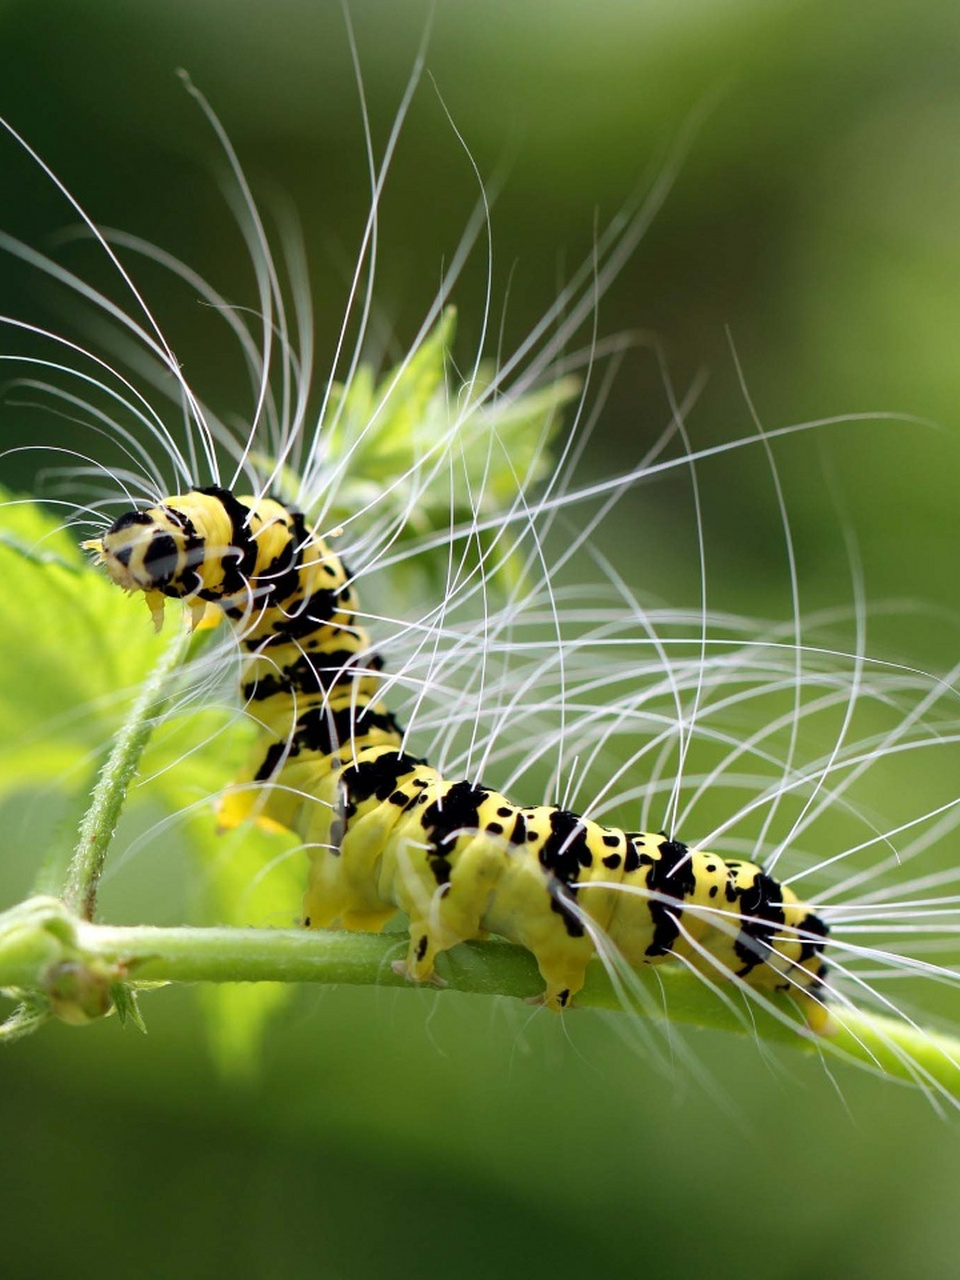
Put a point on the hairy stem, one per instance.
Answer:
(48, 951)
(100, 819)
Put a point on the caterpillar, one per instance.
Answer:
(387, 832)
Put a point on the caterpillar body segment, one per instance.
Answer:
(386, 831)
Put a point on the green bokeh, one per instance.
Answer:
(813, 221)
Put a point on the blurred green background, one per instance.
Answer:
(813, 224)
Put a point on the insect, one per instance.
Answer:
(386, 831)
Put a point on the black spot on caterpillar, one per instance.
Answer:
(388, 832)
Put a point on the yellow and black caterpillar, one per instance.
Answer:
(385, 831)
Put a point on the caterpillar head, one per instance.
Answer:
(161, 553)
(209, 547)
(204, 547)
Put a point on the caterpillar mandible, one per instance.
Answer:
(386, 831)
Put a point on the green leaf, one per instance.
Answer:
(127, 1006)
(70, 660)
(419, 451)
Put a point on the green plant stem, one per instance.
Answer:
(41, 942)
(100, 820)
